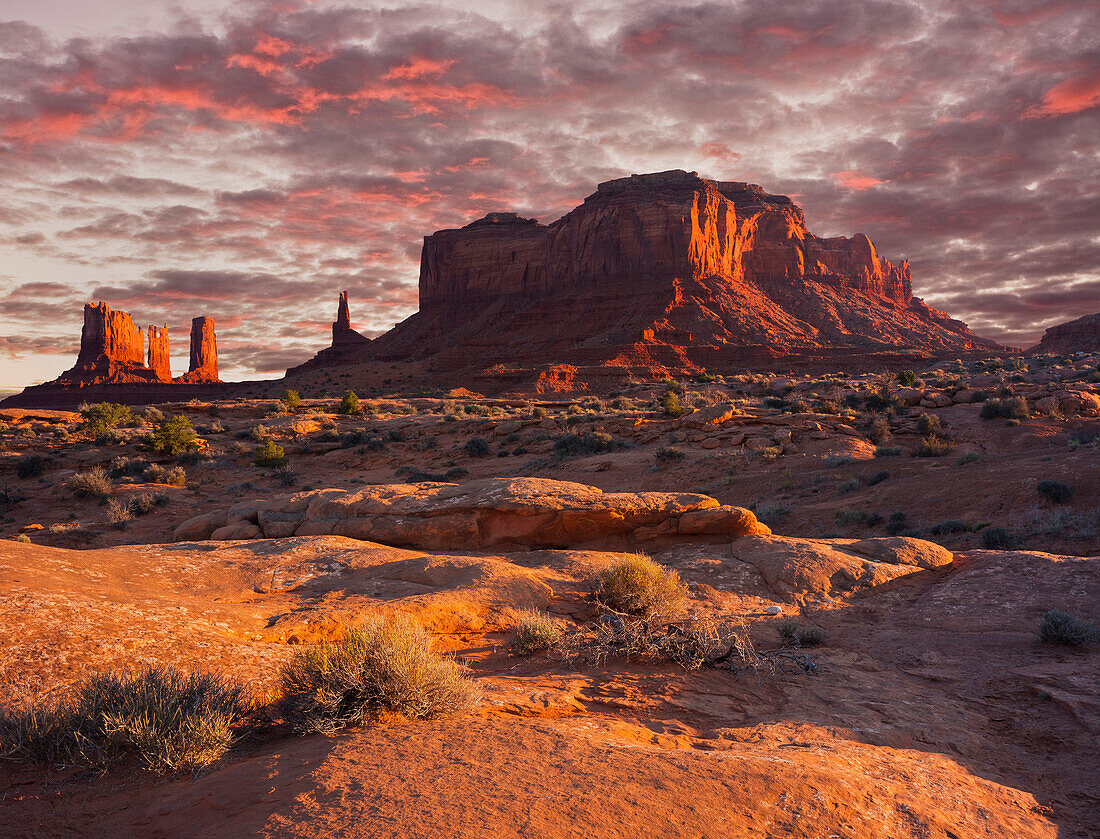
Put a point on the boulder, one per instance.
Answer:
(713, 415)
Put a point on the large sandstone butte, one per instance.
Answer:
(114, 365)
(347, 344)
(663, 271)
(1081, 335)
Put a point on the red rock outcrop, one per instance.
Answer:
(347, 346)
(663, 270)
(204, 353)
(1081, 335)
(112, 350)
(159, 360)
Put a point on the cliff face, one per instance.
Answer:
(1081, 335)
(347, 345)
(159, 360)
(203, 366)
(112, 349)
(666, 269)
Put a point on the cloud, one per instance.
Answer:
(252, 164)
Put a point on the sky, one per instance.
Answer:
(249, 160)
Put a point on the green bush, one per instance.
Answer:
(534, 631)
(292, 399)
(596, 442)
(887, 451)
(270, 455)
(1013, 407)
(349, 404)
(477, 447)
(907, 378)
(671, 406)
(1057, 627)
(636, 585)
(173, 437)
(794, 634)
(1055, 491)
(104, 417)
(167, 719)
(850, 485)
(385, 664)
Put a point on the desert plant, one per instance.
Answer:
(595, 442)
(887, 451)
(877, 478)
(173, 437)
(969, 457)
(152, 415)
(636, 585)
(118, 514)
(259, 433)
(91, 484)
(906, 378)
(949, 526)
(270, 455)
(1054, 491)
(384, 664)
(933, 446)
(176, 476)
(850, 485)
(103, 417)
(477, 447)
(794, 634)
(879, 431)
(771, 514)
(167, 719)
(928, 423)
(668, 453)
(1013, 407)
(1058, 627)
(292, 399)
(349, 404)
(538, 413)
(534, 631)
(997, 538)
(30, 466)
(847, 518)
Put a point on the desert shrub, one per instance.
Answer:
(1013, 407)
(394, 435)
(771, 514)
(534, 631)
(849, 485)
(873, 519)
(176, 476)
(1058, 627)
(145, 502)
(876, 478)
(928, 423)
(259, 433)
(887, 451)
(636, 585)
(997, 538)
(775, 402)
(794, 634)
(477, 447)
(668, 453)
(771, 453)
(1065, 523)
(907, 378)
(91, 484)
(595, 442)
(949, 526)
(538, 413)
(270, 455)
(838, 460)
(30, 466)
(349, 404)
(384, 664)
(167, 719)
(129, 467)
(152, 415)
(969, 457)
(885, 397)
(879, 431)
(897, 523)
(173, 437)
(933, 446)
(1054, 491)
(673, 386)
(670, 404)
(103, 417)
(118, 513)
(292, 399)
(847, 518)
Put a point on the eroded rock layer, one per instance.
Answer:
(347, 344)
(665, 269)
(1081, 335)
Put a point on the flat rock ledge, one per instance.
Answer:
(523, 512)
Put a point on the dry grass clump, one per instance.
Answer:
(384, 664)
(91, 484)
(1058, 627)
(636, 585)
(535, 631)
(166, 719)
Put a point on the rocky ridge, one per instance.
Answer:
(1080, 335)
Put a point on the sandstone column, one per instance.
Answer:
(204, 351)
(158, 352)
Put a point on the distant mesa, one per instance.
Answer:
(658, 273)
(114, 363)
(1081, 335)
(348, 346)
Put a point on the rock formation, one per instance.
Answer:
(159, 360)
(666, 270)
(204, 353)
(1081, 335)
(112, 350)
(347, 344)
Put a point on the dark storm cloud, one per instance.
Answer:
(264, 161)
